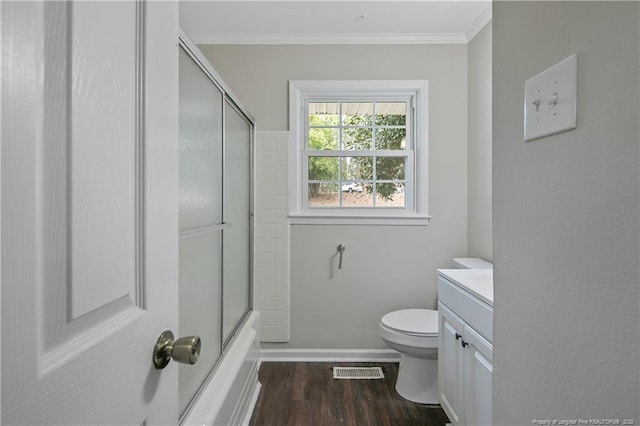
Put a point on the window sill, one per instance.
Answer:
(325, 219)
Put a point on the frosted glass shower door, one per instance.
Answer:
(237, 208)
(201, 227)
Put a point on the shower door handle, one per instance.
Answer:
(184, 350)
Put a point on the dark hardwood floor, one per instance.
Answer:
(306, 394)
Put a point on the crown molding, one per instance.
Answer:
(477, 26)
(346, 38)
(328, 38)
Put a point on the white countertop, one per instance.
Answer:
(478, 282)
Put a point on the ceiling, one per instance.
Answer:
(333, 22)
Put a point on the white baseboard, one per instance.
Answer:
(329, 355)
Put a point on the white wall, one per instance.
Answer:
(566, 218)
(385, 268)
(480, 228)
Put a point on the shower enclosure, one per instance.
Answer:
(215, 218)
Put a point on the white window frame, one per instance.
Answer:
(416, 191)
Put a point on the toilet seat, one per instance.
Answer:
(414, 322)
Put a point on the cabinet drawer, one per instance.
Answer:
(476, 313)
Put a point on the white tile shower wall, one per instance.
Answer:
(272, 235)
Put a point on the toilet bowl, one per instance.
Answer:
(414, 333)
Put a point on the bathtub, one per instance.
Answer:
(231, 394)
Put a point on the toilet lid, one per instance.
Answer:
(413, 321)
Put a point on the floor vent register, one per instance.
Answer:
(358, 373)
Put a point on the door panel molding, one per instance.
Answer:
(63, 330)
(92, 187)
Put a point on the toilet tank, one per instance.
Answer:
(471, 263)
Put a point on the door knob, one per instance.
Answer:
(184, 350)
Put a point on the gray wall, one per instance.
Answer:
(259, 75)
(566, 218)
(479, 150)
(385, 268)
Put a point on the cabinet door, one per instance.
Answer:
(451, 365)
(478, 379)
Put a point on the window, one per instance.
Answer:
(358, 152)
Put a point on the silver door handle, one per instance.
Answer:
(184, 350)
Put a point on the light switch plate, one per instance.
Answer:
(550, 100)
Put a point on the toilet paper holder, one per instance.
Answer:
(341, 248)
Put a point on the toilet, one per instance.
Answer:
(414, 333)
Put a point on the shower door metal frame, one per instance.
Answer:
(190, 48)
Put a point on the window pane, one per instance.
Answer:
(390, 168)
(356, 168)
(390, 195)
(357, 138)
(391, 113)
(357, 113)
(324, 138)
(323, 168)
(323, 114)
(354, 194)
(323, 195)
(391, 138)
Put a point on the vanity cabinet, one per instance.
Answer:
(465, 353)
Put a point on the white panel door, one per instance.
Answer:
(89, 211)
